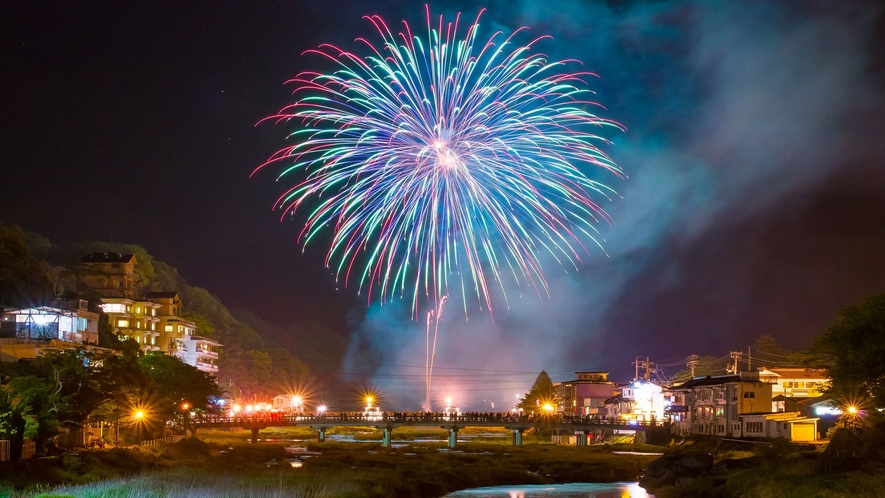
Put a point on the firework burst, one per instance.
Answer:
(438, 162)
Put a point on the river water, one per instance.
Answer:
(573, 490)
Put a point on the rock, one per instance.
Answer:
(675, 468)
(729, 464)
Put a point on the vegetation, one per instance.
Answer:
(542, 392)
(194, 468)
(33, 267)
(63, 389)
(852, 351)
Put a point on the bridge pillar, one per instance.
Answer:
(517, 437)
(640, 437)
(386, 441)
(255, 435)
(321, 434)
(453, 437)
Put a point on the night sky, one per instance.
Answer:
(755, 151)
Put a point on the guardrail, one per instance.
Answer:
(162, 440)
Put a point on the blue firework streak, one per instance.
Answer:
(438, 161)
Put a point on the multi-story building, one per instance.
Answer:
(109, 274)
(715, 405)
(791, 385)
(26, 332)
(135, 319)
(584, 395)
(178, 335)
(200, 352)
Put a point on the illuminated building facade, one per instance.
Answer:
(26, 332)
(584, 395)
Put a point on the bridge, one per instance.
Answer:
(387, 422)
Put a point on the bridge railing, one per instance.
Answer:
(430, 417)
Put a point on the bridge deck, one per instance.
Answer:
(392, 421)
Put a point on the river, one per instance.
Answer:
(572, 490)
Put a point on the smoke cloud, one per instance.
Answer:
(739, 116)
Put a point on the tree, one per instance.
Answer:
(542, 391)
(24, 279)
(169, 383)
(853, 351)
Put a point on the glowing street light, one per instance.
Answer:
(852, 410)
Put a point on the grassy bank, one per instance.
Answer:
(194, 469)
(776, 469)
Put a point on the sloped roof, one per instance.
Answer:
(109, 257)
(719, 379)
(162, 294)
(799, 373)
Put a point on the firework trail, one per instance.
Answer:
(442, 162)
(433, 320)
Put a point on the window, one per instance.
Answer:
(154, 312)
(720, 411)
(788, 384)
(114, 308)
(122, 323)
(153, 340)
(153, 326)
(181, 328)
(168, 328)
(749, 395)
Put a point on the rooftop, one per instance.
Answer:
(109, 257)
(162, 294)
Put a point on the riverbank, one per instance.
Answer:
(197, 468)
(712, 467)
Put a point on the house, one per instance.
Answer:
(109, 274)
(584, 395)
(714, 405)
(25, 333)
(789, 425)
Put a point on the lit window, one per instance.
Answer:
(114, 308)
(181, 328)
(122, 323)
(153, 340)
(168, 328)
(138, 309)
(153, 326)
(138, 325)
(154, 312)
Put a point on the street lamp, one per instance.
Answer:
(139, 422)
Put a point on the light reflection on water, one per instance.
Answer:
(573, 490)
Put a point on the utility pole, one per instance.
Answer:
(750, 358)
(692, 363)
(647, 365)
(733, 368)
(636, 375)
